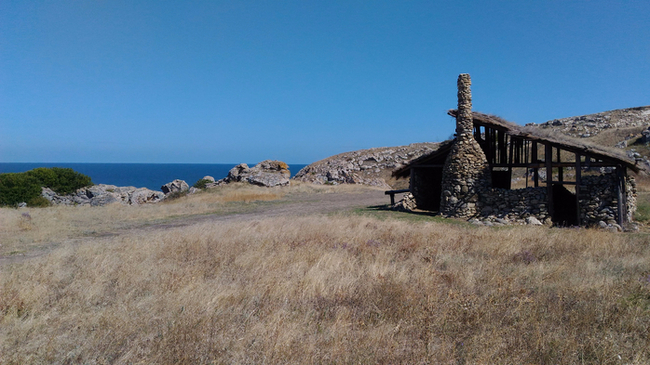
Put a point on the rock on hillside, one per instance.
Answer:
(368, 167)
(176, 186)
(586, 126)
(266, 173)
(103, 194)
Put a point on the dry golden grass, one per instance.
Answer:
(22, 230)
(337, 289)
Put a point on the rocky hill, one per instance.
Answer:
(368, 167)
(623, 128)
(586, 126)
(628, 129)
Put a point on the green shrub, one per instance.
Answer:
(26, 186)
(17, 188)
(62, 180)
(39, 202)
(201, 183)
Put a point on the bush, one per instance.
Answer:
(201, 183)
(17, 188)
(39, 202)
(26, 186)
(62, 180)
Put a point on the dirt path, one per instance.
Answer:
(295, 204)
(299, 204)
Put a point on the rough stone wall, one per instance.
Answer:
(630, 191)
(515, 205)
(599, 199)
(466, 173)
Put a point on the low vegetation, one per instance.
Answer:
(25, 187)
(344, 288)
(200, 184)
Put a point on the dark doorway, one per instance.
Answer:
(565, 210)
(426, 187)
(501, 179)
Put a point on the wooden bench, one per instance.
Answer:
(393, 192)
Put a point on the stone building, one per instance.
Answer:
(494, 168)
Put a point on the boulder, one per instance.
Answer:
(144, 195)
(533, 221)
(176, 186)
(102, 194)
(209, 178)
(645, 136)
(267, 173)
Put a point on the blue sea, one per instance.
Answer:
(147, 175)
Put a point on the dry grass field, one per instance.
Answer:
(344, 287)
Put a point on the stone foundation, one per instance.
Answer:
(515, 205)
(599, 199)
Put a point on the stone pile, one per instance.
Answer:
(407, 204)
(267, 173)
(103, 194)
(371, 167)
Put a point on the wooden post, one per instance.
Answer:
(560, 169)
(534, 159)
(510, 161)
(578, 182)
(548, 157)
(503, 152)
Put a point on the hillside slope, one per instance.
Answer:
(368, 167)
(621, 128)
(627, 129)
(587, 126)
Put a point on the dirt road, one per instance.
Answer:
(293, 204)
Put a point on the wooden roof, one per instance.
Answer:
(566, 143)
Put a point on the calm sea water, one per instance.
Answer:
(147, 175)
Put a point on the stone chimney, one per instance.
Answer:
(466, 173)
(464, 122)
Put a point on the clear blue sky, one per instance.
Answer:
(242, 81)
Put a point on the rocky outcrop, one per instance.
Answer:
(367, 167)
(103, 194)
(586, 126)
(605, 126)
(267, 173)
(176, 186)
